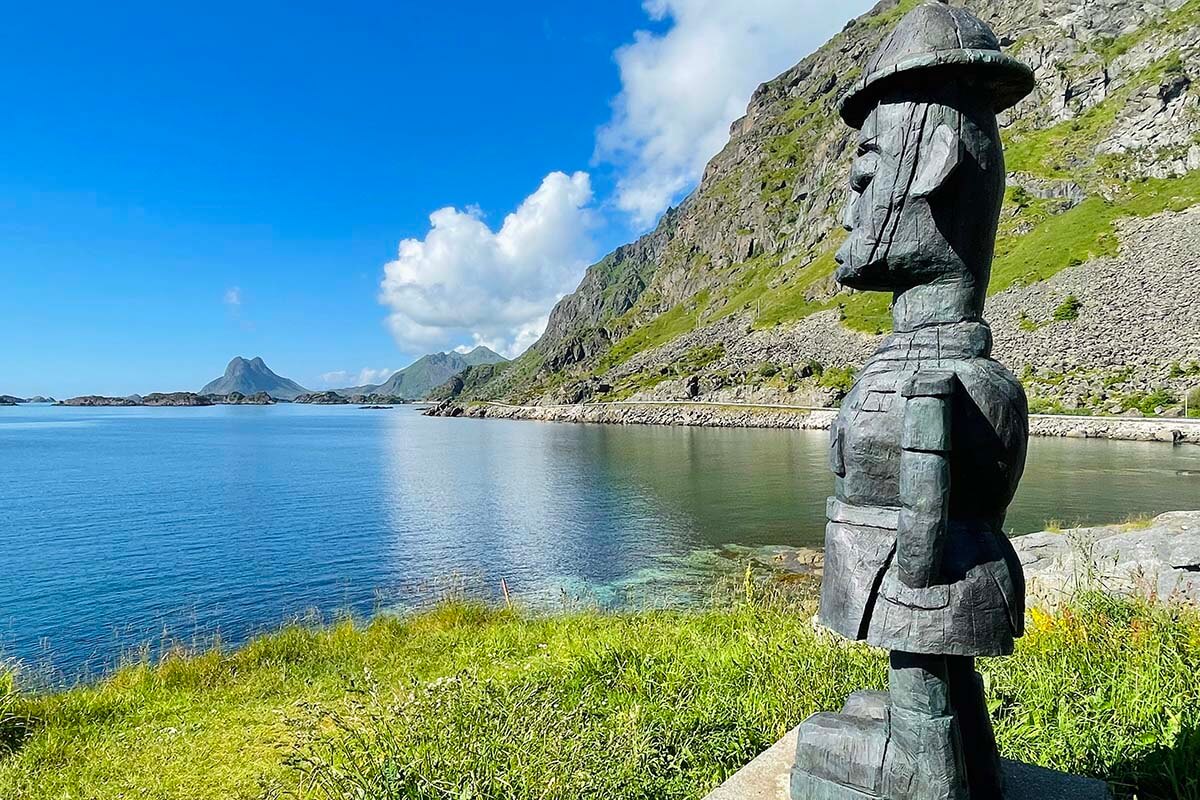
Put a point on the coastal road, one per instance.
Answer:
(1191, 423)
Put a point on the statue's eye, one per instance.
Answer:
(863, 172)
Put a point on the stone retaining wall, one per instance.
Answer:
(1175, 431)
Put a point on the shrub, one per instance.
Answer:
(768, 370)
(838, 378)
(1150, 403)
(1068, 310)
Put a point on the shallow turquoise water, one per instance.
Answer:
(125, 526)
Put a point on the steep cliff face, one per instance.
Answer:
(732, 297)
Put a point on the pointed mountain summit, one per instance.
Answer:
(251, 377)
(482, 355)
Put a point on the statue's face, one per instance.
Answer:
(894, 240)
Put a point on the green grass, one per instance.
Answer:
(672, 323)
(887, 18)
(470, 701)
(1087, 231)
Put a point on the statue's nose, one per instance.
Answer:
(848, 213)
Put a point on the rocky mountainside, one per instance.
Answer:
(416, 381)
(251, 377)
(468, 382)
(731, 297)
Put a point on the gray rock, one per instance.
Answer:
(1159, 561)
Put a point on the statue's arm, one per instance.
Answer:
(924, 478)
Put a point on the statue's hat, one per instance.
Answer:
(934, 39)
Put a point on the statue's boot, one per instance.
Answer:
(982, 758)
(925, 754)
(904, 745)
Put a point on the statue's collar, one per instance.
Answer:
(957, 340)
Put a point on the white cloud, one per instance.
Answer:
(336, 380)
(342, 379)
(233, 296)
(465, 282)
(373, 376)
(682, 89)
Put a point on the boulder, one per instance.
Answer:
(1158, 561)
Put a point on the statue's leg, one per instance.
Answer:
(970, 706)
(925, 760)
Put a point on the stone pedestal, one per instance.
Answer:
(768, 777)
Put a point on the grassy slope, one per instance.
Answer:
(465, 701)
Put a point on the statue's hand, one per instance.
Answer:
(924, 478)
(919, 549)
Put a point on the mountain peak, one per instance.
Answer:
(482, 355)
(251, 377)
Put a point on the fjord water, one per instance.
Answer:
(126, 526)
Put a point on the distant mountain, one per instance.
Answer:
(419, 379)
(252, 377)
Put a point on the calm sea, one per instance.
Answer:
(121, 527)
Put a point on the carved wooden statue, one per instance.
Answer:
(930, 443)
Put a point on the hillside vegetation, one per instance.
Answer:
(465, 700)
(745, 263)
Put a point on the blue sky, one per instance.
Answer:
(182, 183)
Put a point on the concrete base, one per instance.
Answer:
(768, 777)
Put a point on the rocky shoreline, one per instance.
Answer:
(1135, 429)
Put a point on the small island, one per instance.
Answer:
(335, 399)
(171, 399)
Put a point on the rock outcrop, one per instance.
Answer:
(175, 399)
(239, 399)
(335, 399)
(1157, 560)
(100, 400)
(171, 399)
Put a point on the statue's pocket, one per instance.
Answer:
(930, 598)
